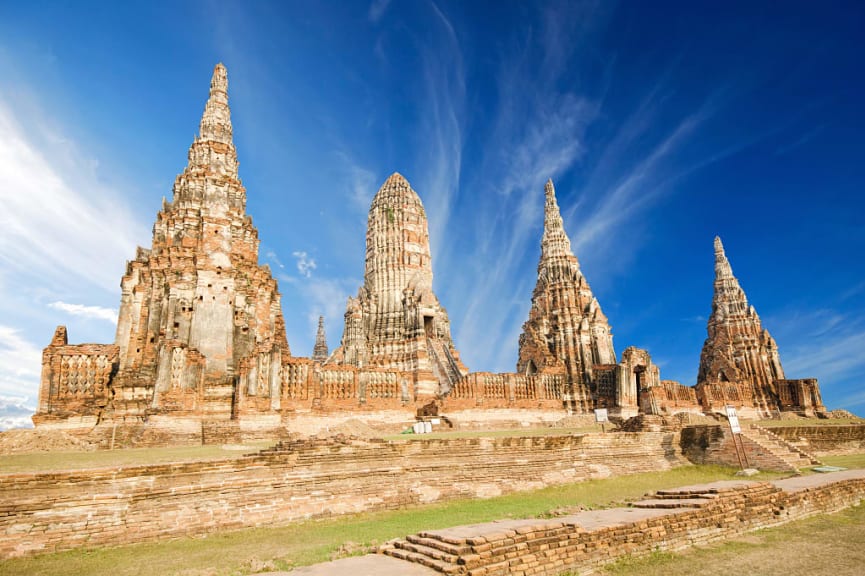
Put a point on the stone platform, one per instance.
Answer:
(668, 520)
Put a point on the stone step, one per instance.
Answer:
(662, 503)
(447, 547)
(428, 551)
(682, 495)
(408, 556)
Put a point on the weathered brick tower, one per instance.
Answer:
(199, 318)
(566, 330)
(396, 321)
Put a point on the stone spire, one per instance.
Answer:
(555, 243)
(737, 348)
(199, 289)
(566, 330)
(319, 351)
(396, 321)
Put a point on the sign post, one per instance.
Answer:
(601, 418)
(736, 429)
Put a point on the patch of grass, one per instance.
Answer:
(845, 460)
(77, 460)
(239, 552)
(810, 422)
(826, 544)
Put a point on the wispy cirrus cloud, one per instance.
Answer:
(96, 312)
(443, 110)
(539, 131)
(360, 182)
(49, 226)
(377, 9)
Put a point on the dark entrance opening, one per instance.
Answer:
(640, 374)
(428, 326)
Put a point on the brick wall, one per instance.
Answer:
(582, 545)
(45, 512)
(827, 439)
(713, 444)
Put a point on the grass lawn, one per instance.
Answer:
(808, 422)
(251, 550)
(52, 461)
(830, 544)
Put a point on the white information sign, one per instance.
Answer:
(601, 415)
(734, 420)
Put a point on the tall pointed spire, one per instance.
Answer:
(566, 329)
(555, 242)
(216, 120)
(722, 265)
(738, 349)
(319, 351)
(212, 151)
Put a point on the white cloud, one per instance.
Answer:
(97, 312)
(15, 412)
(271, 255)
(305, 264)
(49, 227)
(20, 365)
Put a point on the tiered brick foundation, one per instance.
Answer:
(46, 512)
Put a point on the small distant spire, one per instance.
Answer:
(319, 351)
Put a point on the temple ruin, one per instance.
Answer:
(201, 354)
(740, 363)
(566, 331)
(396, 320)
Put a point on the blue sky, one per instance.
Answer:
(662, 124)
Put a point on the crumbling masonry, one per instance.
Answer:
(201, 352)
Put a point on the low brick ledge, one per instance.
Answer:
(586, 541)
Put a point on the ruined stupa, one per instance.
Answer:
(740, 363)
(396, 321)
(319, 350)
(198, 315)
(566, 330)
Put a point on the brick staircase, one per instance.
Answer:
(432, 551)
(772, 449)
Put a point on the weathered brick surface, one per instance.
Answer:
(739, 363)
(757, 448)
(566, 331)
(584, 542)
(834, 439)
(44, 512)
(397, 321)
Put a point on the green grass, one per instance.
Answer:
(831, 544)
(845, 460)
(810, 422)
(77, 460)
(245, 551)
